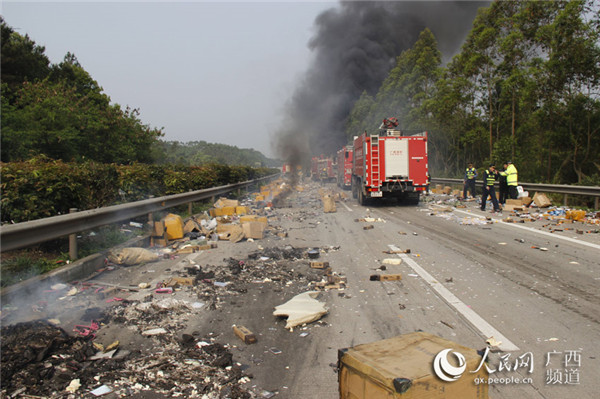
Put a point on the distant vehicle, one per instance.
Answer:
(286, 168)
(390, 164)
(323, 169)
(344, 167)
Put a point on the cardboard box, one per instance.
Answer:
(158, 229)
(173, 226)
(225, 227)
(328, 204)
(541, 200)
(401, 367)
(526, 201)
(223, 202)
(242, 210)
(319, 265)
(158, 242)
(515, 202)
(390, 277)
(254, 230)
(190, 226)
(225, 211)
(447, 190)
(254, 218)
(244, 334)
(260, 198)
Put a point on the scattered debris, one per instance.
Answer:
(244, 334)
(301, 309)
(385, 277)
(406, 251)
(491, 341)
(447, 324)
(132, 256)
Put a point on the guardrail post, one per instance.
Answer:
(596, 203)
(564, 199)
(151, 215)
(190, 208)
(73, 241)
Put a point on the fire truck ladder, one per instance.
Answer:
(375, 180)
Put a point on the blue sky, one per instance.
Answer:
(213, 71)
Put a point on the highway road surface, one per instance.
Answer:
(468, 277)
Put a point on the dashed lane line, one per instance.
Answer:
(477, 321)
(573, 240)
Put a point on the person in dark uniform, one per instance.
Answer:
(503, 185)
(489, 177)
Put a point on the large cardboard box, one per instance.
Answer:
(402, 367)
(254, 230)
(173, 226)
(514, 202)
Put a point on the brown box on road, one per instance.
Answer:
(403, 368)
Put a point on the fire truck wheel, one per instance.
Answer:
(361, 198)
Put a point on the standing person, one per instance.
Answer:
(503, 186)
(511, 179)
(470, 176)
(489, 177)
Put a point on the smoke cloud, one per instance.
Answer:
(355, 45)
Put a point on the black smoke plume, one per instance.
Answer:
(355, 45)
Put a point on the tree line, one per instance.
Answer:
(524, 87)
(60, 112)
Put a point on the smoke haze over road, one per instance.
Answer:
(354, 48)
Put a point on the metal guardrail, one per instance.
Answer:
(21, 235)
(592, 191)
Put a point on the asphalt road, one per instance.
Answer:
(463, 280)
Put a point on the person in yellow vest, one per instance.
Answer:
(489, 177)
(470, 176)
(511, 180)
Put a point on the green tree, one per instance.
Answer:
(21, 60)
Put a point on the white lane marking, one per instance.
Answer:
(477, 321)
(345, 206)
(573, 240)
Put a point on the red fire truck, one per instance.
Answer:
(323, 168)
(390, 164)
(286, 168)
(344, 167)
